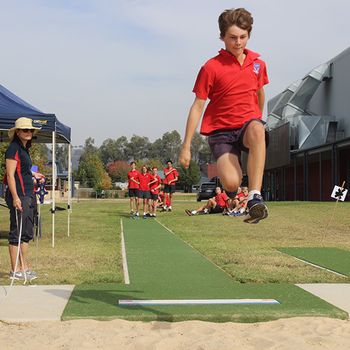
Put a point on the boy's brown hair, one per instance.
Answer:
(235, 17)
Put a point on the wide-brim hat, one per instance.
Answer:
(22, 123)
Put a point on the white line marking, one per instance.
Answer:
(198, 302)
(320, 267)
(125, 262)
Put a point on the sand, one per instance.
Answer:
(294, 333)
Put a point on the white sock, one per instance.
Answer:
(194, 212)
(251, 194)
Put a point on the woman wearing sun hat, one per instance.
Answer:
(20, 195)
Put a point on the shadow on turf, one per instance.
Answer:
(3, 238)
(104, 304)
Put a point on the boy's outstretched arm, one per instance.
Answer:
(193, 119)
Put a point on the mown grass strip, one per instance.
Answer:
(332, 259)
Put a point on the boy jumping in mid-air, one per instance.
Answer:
(233, 81)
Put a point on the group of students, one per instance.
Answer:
(221, 203)
(147, 187)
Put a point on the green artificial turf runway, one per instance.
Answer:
(162, 266)
(334, 259)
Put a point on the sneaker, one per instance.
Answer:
(170, 209)
(188, 212)
(16, 275)
(31, 275)
(257, 210)
(145, 216)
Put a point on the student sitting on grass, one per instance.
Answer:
(214, 205)
(239, 203)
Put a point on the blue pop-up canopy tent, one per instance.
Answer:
(12, 107)
(52, 131)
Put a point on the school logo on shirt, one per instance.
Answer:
(256, 68)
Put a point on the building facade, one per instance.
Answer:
(309, 126)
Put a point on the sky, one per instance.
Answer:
(117, 68)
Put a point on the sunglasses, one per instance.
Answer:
(27, 130)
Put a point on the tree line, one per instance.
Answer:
(100, 167)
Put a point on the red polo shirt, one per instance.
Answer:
(221, 199)
(145, 179)
(133, 174)
(231, 89)
(170, 175)
(155, 184)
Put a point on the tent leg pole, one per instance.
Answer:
(53, 186)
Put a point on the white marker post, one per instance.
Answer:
(339, 193)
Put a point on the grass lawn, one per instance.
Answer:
(246, 252)
(90, 255)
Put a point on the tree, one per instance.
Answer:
(89, 147)
(107, 151)
(92, 174)
(138, 147)
(196, 146)
(149, 163)
(62, 155)
(171, 145)
(205, 155)
(3, 148)
(39, 155)
(118, 170)
(156, 150)
(112, 150)
(189, 177)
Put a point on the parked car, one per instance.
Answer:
(207, 189)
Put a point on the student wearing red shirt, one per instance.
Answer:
(233, 81)
(155, 185)
(239, 203)
(133, 186)
(171, 176)
(144, 190)
(214, 205)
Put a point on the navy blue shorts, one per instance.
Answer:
(28, 219)
(144, 194)
(133, 192)
(169, 188)
(230, 141)
(154, 196)
(217, 209)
